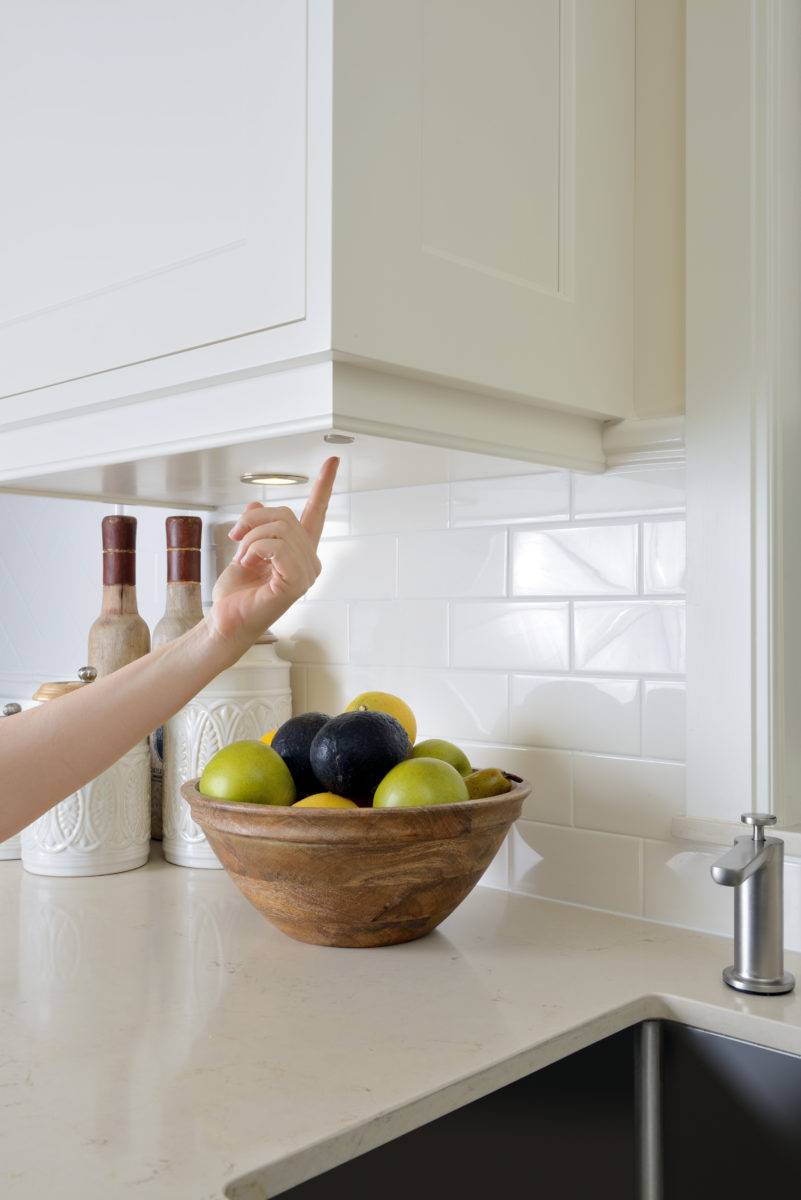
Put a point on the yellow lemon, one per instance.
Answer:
(268, 737)
(325, 800)
(385, 702)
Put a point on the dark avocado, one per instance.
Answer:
(292, 741)
(352, 753)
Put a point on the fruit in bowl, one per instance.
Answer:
(355, 837)
(356, 876)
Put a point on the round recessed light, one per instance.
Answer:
(272, 478)
(338, 439)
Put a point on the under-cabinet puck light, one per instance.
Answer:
(272, 478)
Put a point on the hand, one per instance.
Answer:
(275, 563)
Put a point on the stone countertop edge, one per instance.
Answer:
(159, 1038)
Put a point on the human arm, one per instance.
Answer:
(47, 753)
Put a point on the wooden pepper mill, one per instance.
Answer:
(119, 635)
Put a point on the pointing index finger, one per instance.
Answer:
(313, 516)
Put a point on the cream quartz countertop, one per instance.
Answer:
(160, 1039)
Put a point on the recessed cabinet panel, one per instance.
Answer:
(492, 139)
(154, 180)
(484, 197)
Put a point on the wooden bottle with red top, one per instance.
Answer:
(182, 611)
(184, 607)
(119, 635)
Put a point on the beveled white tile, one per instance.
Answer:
(637, 637)
(575, 714)
(664, 556)
(664, 713)
(548, 771)
(386, 632)
(598, 870)
(464, 562)
(314, 631)
(330, 688)
(679, 889)
(357, 569)
(503, 501)
(457, 705)
(398, 509)
(621, 492)
(506, 634)
(626, 795)
(461, 706)
(579, 561)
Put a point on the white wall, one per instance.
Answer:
(536, 620)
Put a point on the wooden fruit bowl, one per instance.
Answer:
(356, 876)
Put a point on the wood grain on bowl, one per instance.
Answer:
(356, 877)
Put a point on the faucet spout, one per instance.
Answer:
(745, 857)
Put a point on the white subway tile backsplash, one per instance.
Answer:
(599, 870)
(314, 631)
(627, 795)
(464, 562)
(549, 772)
(679, 888)
(664, 556)
(633, 638)
(585, 561)
(399, 509)
(664, 712)
(648, 490)
(357, 567)
(500, 634)
(575, 714)
(384, 632)
(456, 705)
(544, 496)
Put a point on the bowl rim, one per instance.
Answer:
(452, 819)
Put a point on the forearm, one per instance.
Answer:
(47, 753)
(50, 751)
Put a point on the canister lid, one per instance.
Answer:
(51, 691)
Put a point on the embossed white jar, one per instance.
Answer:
(105, 826)
(99, 830)
(245, 701)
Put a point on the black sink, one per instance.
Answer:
(659, 1111)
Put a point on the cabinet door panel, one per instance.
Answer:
(484, 197)
(154, 195)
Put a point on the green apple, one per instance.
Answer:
(420, 781)
(447, 751)
(248, 772)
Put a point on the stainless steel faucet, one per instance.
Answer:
(754, 867)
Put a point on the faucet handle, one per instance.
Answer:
(758, 821)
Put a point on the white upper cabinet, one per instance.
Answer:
(225, 223)
(155, 196)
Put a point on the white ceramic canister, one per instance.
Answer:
(11, 847)
(101, 829)
(245, 701)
